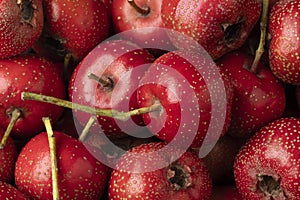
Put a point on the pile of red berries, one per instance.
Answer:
(150, 99)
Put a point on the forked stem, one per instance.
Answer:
(263, 31)
(139, 9)
(123, 116)
(15, 115)
(53, 158)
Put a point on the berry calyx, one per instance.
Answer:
(179, 176)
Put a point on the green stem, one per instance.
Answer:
(123, 116)
(16, 113)
(87, 128)
(263, 31)
(53, 158)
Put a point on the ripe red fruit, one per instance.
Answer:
(8, 157)
(28, 73)
(80, 175)
(186, 178)
(137, 15)
(182, 89)
(267, 166)
(259, 97)
(219, 26)
(73, 28)
(9, 192)
(21, 24)
(115, 66)
(285, 41)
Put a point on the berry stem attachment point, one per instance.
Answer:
(53, 157)
(143, 11)
(15, 115)
(104, 81)
(263, 31)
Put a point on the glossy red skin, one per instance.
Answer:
(204, 24)
(155, 184)
(33, 74)
(226, 192)
(8, 157)
(103, 61)
(80, 175)
(284, 43)
(17, 34)
(166, 87)
(9, 192)
(272, 151)
(125, 18)
(258, 98)
(68, 22)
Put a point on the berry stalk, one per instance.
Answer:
(123, 116)
(87, 128)
(263, 31)
(15, 115)
(53, 157)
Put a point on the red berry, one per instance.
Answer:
(32, 74)
(267, 166)
(21, 24)
(143, 18)
(179, 82)
(80, 175)
(259, 97)
(284, 46)
(72, 27)
(115, 66)
(219, 26)
(186, 178)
